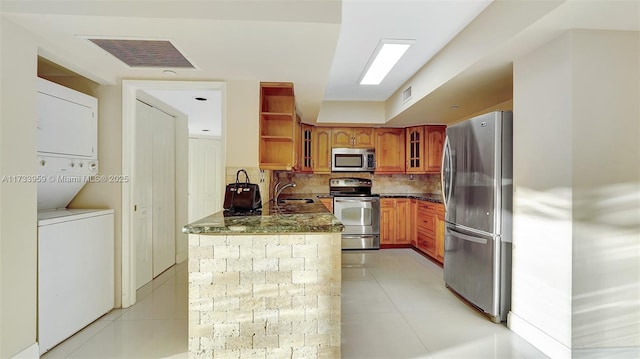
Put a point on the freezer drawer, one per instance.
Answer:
(478, 267)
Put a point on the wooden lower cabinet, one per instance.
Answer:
(440, 234)
(394, 221)
(413, 215)
(327, 202)
(429, 227)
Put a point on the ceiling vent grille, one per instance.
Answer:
(406, 94)
(144, 53)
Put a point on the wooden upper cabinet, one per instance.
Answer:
(341, 137)
(356, 137)
(279, 127)
(321, 149)
(424, 148)
(390, 150)
(435, 140)
(306, 148)
(415, 149)
(363, 137)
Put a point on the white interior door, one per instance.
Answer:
(154, 193)
(205, 177)
(163, 183)
(142, 196)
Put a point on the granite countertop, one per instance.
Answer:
(431, 197)
(283, 218)
(286, 218)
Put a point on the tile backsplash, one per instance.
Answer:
(396, 183)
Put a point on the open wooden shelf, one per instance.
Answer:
(278, 126)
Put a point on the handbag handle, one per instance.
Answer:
(245, 175)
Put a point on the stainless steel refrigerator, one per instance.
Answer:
(477, 190)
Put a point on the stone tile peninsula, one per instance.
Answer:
(265, 286)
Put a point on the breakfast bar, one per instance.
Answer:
(265, 285)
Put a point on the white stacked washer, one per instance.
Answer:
(75, 246)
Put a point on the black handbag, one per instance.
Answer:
(242, 196)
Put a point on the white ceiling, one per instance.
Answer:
(432, 24)
(205, 117)
(462, 54)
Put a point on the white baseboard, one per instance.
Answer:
(554, 349)
(32, 352)
(539, 339)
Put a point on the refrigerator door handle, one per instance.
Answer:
(467, 237)
(446, 161)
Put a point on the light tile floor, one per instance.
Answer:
(154, 327)
(394, 305)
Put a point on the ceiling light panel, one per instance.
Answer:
(384, 58)
(144, 53)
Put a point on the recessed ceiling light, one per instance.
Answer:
(454, 107)
(169, 72)
(384, 57)
(200, 98)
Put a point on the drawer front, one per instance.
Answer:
(426, 242)
(426, 221)
(427, 206)
(387, 203)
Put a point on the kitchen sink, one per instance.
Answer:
(295, 200)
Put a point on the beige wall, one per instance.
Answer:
(542, 142)
(606, 188)
(576, 256)
(352, 112)
(18, 210)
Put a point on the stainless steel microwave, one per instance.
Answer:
(353, 160)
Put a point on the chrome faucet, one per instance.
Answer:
(279, 191)
(275, 187)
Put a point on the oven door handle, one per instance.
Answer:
(357, 200)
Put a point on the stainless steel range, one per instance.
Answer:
(358, 210)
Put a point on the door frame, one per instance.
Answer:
(130, 90)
